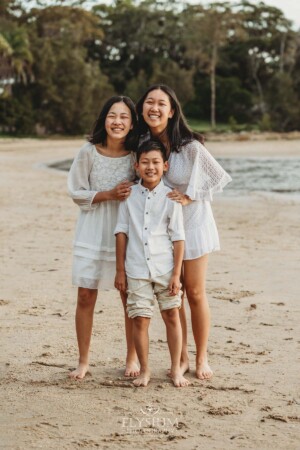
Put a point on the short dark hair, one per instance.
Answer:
(149, 146)
(98, 134)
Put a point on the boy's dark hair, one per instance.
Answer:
(178, 131)
(149, 146)
(98, 134)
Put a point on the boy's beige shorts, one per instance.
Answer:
(142, 294)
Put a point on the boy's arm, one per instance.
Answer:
(121, 233)
(176, 232)
(120, 279)
(174, 284)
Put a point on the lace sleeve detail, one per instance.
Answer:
(78, 179)
(207, 177)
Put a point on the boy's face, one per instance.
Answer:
(151, 167)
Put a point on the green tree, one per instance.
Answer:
(69, 87)
(140, 37)
(268, 36)
(211, 27)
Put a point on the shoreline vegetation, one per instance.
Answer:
(243, 77)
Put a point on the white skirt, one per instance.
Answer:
(201, 234)
(94, 252)
(92, 273)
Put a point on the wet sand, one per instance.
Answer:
(252, 402)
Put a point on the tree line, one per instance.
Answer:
(228, 63)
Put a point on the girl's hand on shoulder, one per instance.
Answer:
(121, 191)
(179, 197)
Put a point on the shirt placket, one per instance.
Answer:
(148, 204)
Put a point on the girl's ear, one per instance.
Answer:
(136, 165)
(171, 113)
(166, 166)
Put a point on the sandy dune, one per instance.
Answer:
(253, 283)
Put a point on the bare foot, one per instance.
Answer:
(184, 368)
(178, 379)
(203, 371)
(143, 379)
(80, 372)
(132, 369)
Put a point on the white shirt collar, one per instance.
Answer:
(154, 191)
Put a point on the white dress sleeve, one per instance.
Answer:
(207, 177)
(78, 179)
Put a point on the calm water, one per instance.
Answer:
(278, 175)
(281, 175)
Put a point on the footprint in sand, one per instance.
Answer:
(231, 296)
(223, 411)
(3, 302)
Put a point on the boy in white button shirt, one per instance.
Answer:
(149, 247)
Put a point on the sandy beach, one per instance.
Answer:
(253, 400)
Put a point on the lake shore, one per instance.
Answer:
(253, 399)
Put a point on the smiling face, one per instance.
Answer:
(118, 121)
(151, 167)
(157, 110)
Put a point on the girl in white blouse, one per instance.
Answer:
(194, 176)
(100, 177)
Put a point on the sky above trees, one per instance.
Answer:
(290, 8)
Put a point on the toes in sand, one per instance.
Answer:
(203, 371)
(143, 379)
(80, 372)
(178, 379)
(132, 369)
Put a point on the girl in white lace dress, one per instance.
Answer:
(100, 177)
(194, 176)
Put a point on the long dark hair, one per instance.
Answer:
(178, 131)
(98, 134)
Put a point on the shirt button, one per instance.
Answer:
(146, 243)
(146, 213)
(148, 198)
(146, 228)
(148, 259)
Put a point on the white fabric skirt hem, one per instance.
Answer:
(201, 240)
(93, 274)
(197, 255)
